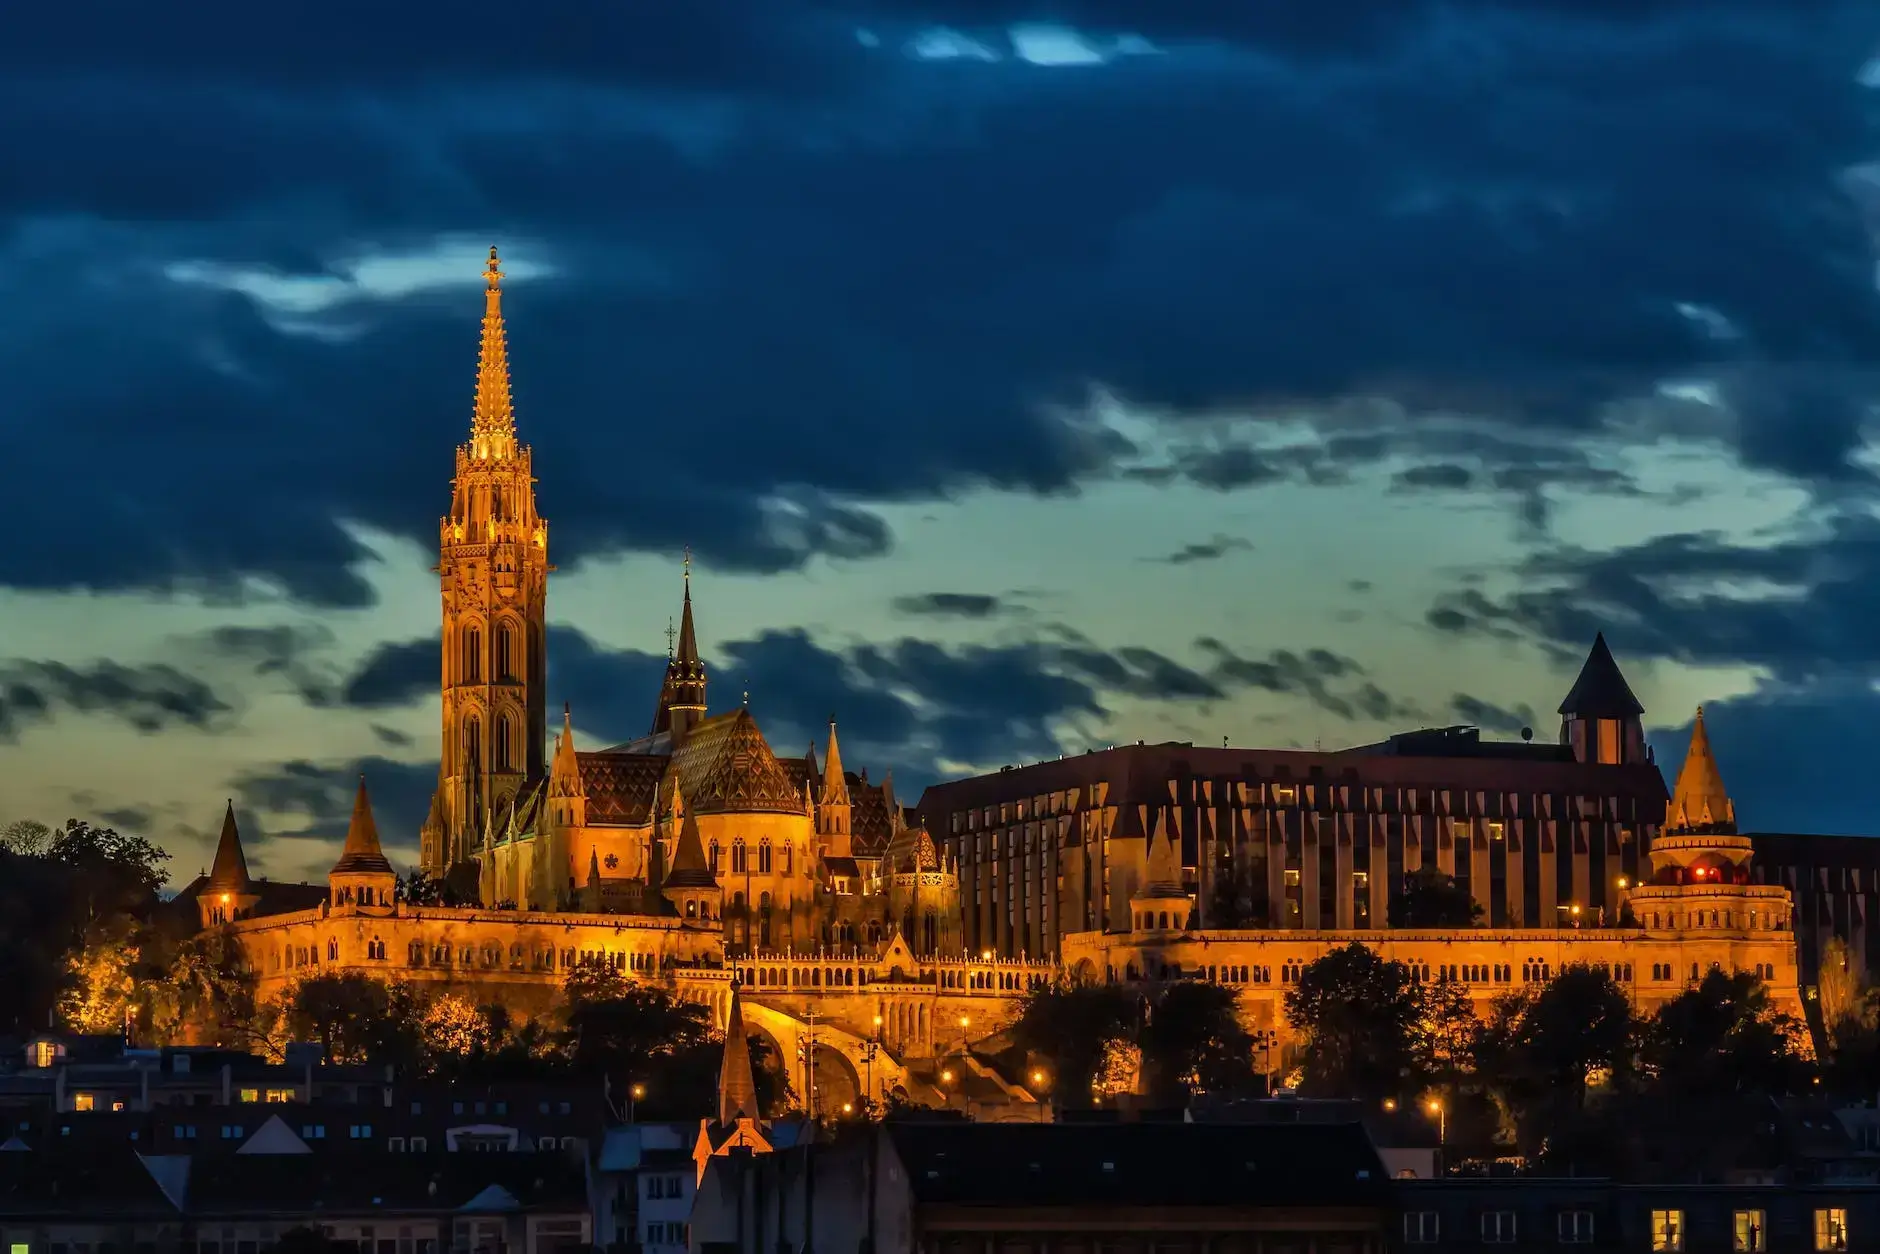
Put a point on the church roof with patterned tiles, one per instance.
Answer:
(621, 787)
(911, 850)
(724, 765)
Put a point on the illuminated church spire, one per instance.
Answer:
(1699, 804)
(493, 575)
(682, 696)
(493, 425)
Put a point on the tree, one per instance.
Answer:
(1362, 1020)
(1232, 902)
(1723, 1037)
(1542, 1050)
(357, 1019)
(1193, 1042)
(1431, 899)
(1842, 999)
(1076, 1028)
(419, 889)
(1452, 1032)
(26, 837)
(199, 991)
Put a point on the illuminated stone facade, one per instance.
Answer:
(695, 856)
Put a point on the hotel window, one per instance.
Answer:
(1420, 1227)
(1285, 796)
(1575, 1227)
(84, 1101)
(1667, 1231)
(1498, 1227)
(1830, 1228)
(1495, 830)
(1747, 1230)
(250, 1095)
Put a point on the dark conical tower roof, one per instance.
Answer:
(737, 1084)
(229, 873)
(1601, 691)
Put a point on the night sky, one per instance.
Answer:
(1024, 376)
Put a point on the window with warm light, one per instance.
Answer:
(1830, 1228)
(84, 1101)
(1747, 1231)
(250, 1095)
(278, 1096)
(1667, 1231)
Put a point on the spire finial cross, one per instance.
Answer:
(670, 633)
(688, 563)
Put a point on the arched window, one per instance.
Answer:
(505, 652)
(473, 655)
(505, 750)
(739, 863)
(472, 745)
(718, 863)
(763, 857)
(786, 858)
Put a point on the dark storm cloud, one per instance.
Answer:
(395, 673)
(314, 800)
(949, 605)
(1802, 607)
(1492, 717)
(1205, 550)
(798, 276)
(149, 697)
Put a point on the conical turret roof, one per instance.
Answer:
(1699, 803)
(1601, 690)
(1164, 878)
(737, 1084)
(229, 872)
(835, 785)
(689, 868)
(362, 854)
(684, 687)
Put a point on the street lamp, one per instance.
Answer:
(1390, 1104)
(1435, 1107)
(1038, 1086)
(634, 1094)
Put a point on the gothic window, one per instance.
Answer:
(763, 857)
(717, 859)
(332, 951)
(472, 745)
(417, 953)
(611, 861)
(505, 652)
(786, 859)
(504, 748)
(738, 863)
(473, 655)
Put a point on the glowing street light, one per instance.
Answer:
(634, 1094)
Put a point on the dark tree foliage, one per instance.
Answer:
(1362, 1020)
(1723, 1037)
(1073, 1026)
(419, 889)
(1233, 902)
(1193, 1042)
(357, 1019)
(1431, 899)
(1542, 1051)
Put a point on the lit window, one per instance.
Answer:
(84, 1101)
(1747, 1231)
(251, 1095)
(1668, 1231)
(279, 1096)
(1286, 797)
(1831, 1228)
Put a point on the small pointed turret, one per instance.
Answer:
(1700, 805)
(229, 872)
(689, 867)
(835, 785)
(228, 893)
(1164, 877)
(362, 852)
(362, 877)
(737, 1084)
(682, 696)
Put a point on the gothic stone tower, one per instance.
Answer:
(493, 570)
